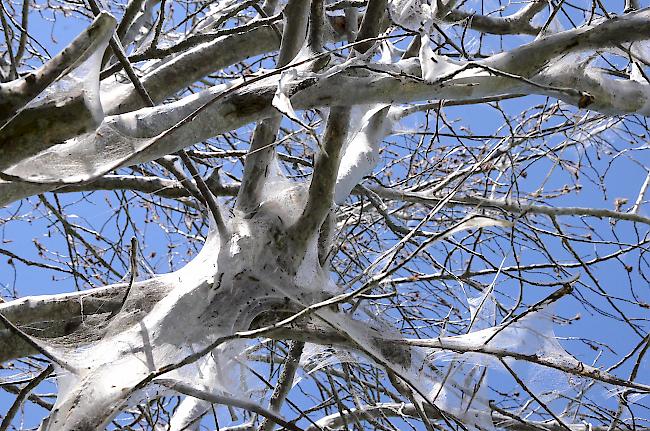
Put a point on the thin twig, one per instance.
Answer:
(228, 401)
(134, 267)
(24, 392)
(207, 194)
(13, 72)
(118, 50)
(532, 394)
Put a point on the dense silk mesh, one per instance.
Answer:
(230, 283)
(170, 317)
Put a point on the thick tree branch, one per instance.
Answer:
(61, 304)
(321, 187)
(296, 14)
(189, 66)
(25, 132)
(285, 382)
(530, 58)
(371, 24)
(268, 273)
(16, 94)
(517, 23)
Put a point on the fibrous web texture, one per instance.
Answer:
(103, 374)
(361, 153)
(82, 79)
(85, 156)
(254, 270)
(217, 294)
(117, 140)
(187, 333)
(57, 101)
(462, 390)
(220, 371)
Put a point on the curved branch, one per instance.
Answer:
(321, 187)
(509, 205)
(228, 401)
(16, 94)
(570, 366)
(517, 23)
(296, 15)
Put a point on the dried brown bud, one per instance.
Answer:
(585, 100)
(619, 202)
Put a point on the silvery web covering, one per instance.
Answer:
(102, 375)
(89, 155)
(100, 378)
